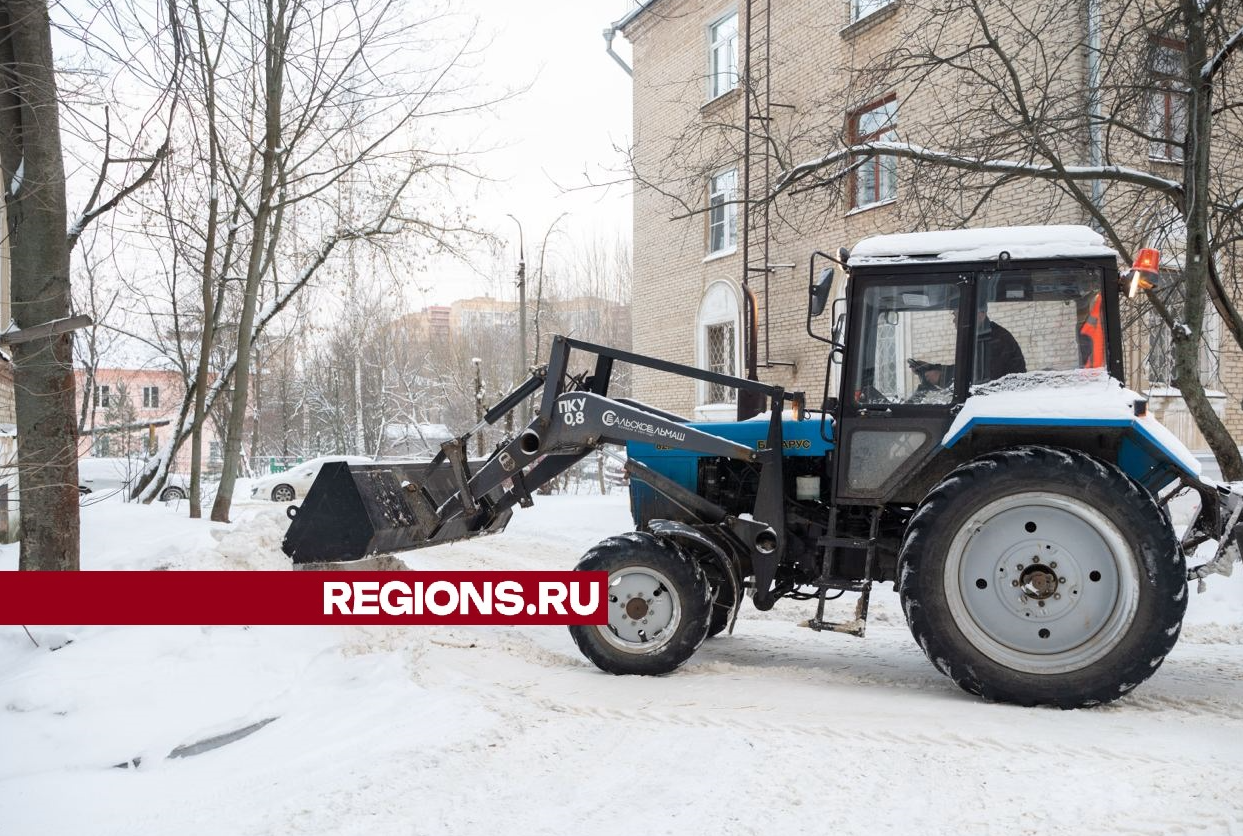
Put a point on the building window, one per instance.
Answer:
(722, 212)
(860, 9)
(213, 454)
(1167, 102)
(723, 56)
(151, 397)
(103, 446)
(718, 325)
(1161, 347)
(101, 397)
(876, 179)
(720, 357)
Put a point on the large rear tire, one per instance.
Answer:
(659, 604)
(1042, 577)
(721, 614)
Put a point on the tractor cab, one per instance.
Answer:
(930, 318)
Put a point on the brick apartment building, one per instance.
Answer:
(580, 315)
(131, 413)
(692, 275)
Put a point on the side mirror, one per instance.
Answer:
(820, 291)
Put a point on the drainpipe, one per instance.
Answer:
(1094, 95)
(608, 47)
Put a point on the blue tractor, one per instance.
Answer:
(975, 446)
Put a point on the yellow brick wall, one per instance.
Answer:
(679, 139)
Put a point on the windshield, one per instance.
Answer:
(908, 350)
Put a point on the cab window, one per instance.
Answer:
(1037, 321)
(908, 345)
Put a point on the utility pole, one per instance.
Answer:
(523, 365)
(478, 405)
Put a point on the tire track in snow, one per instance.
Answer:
(745, 721)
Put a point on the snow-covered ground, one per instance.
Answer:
(437, 730)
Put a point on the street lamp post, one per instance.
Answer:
(522, 316)
(478, 404)
(539, 285)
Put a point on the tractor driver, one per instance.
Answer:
(997, 354)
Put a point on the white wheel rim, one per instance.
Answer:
(644, 612)
(1041, 583)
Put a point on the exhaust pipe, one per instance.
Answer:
(766, 541)
(529, 442)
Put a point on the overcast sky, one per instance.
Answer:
(564, 128)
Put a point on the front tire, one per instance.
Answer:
(283, 493)
(171, 494)
(1042, 577)
(659, 602)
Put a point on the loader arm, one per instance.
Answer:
(353, 511)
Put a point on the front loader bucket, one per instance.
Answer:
(355, 511)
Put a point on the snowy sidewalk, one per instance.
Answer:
(431, 730)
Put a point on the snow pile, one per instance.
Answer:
(1021, 242)
(1078, 395)
(1053, 378)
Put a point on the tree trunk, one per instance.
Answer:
(34, 190)
(273, 90)
(208, 282)
(1198, 255)
(203, 371)
(360, 440)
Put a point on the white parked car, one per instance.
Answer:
(108, 475)
(293, 484)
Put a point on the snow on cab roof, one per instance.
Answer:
(1064, 241)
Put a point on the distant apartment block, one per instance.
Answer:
(131, 413)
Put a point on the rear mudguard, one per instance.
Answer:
(719, 557)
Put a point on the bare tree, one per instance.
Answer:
(94, 342)
(34, 178)
(295, 101)
(1147, 148)
(40, 238)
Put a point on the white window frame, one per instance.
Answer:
(722, 80)
(880, 164)
(860, 9)
(151, 397)
(721, 304)
(723, 212)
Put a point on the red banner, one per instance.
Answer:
(303, 597)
